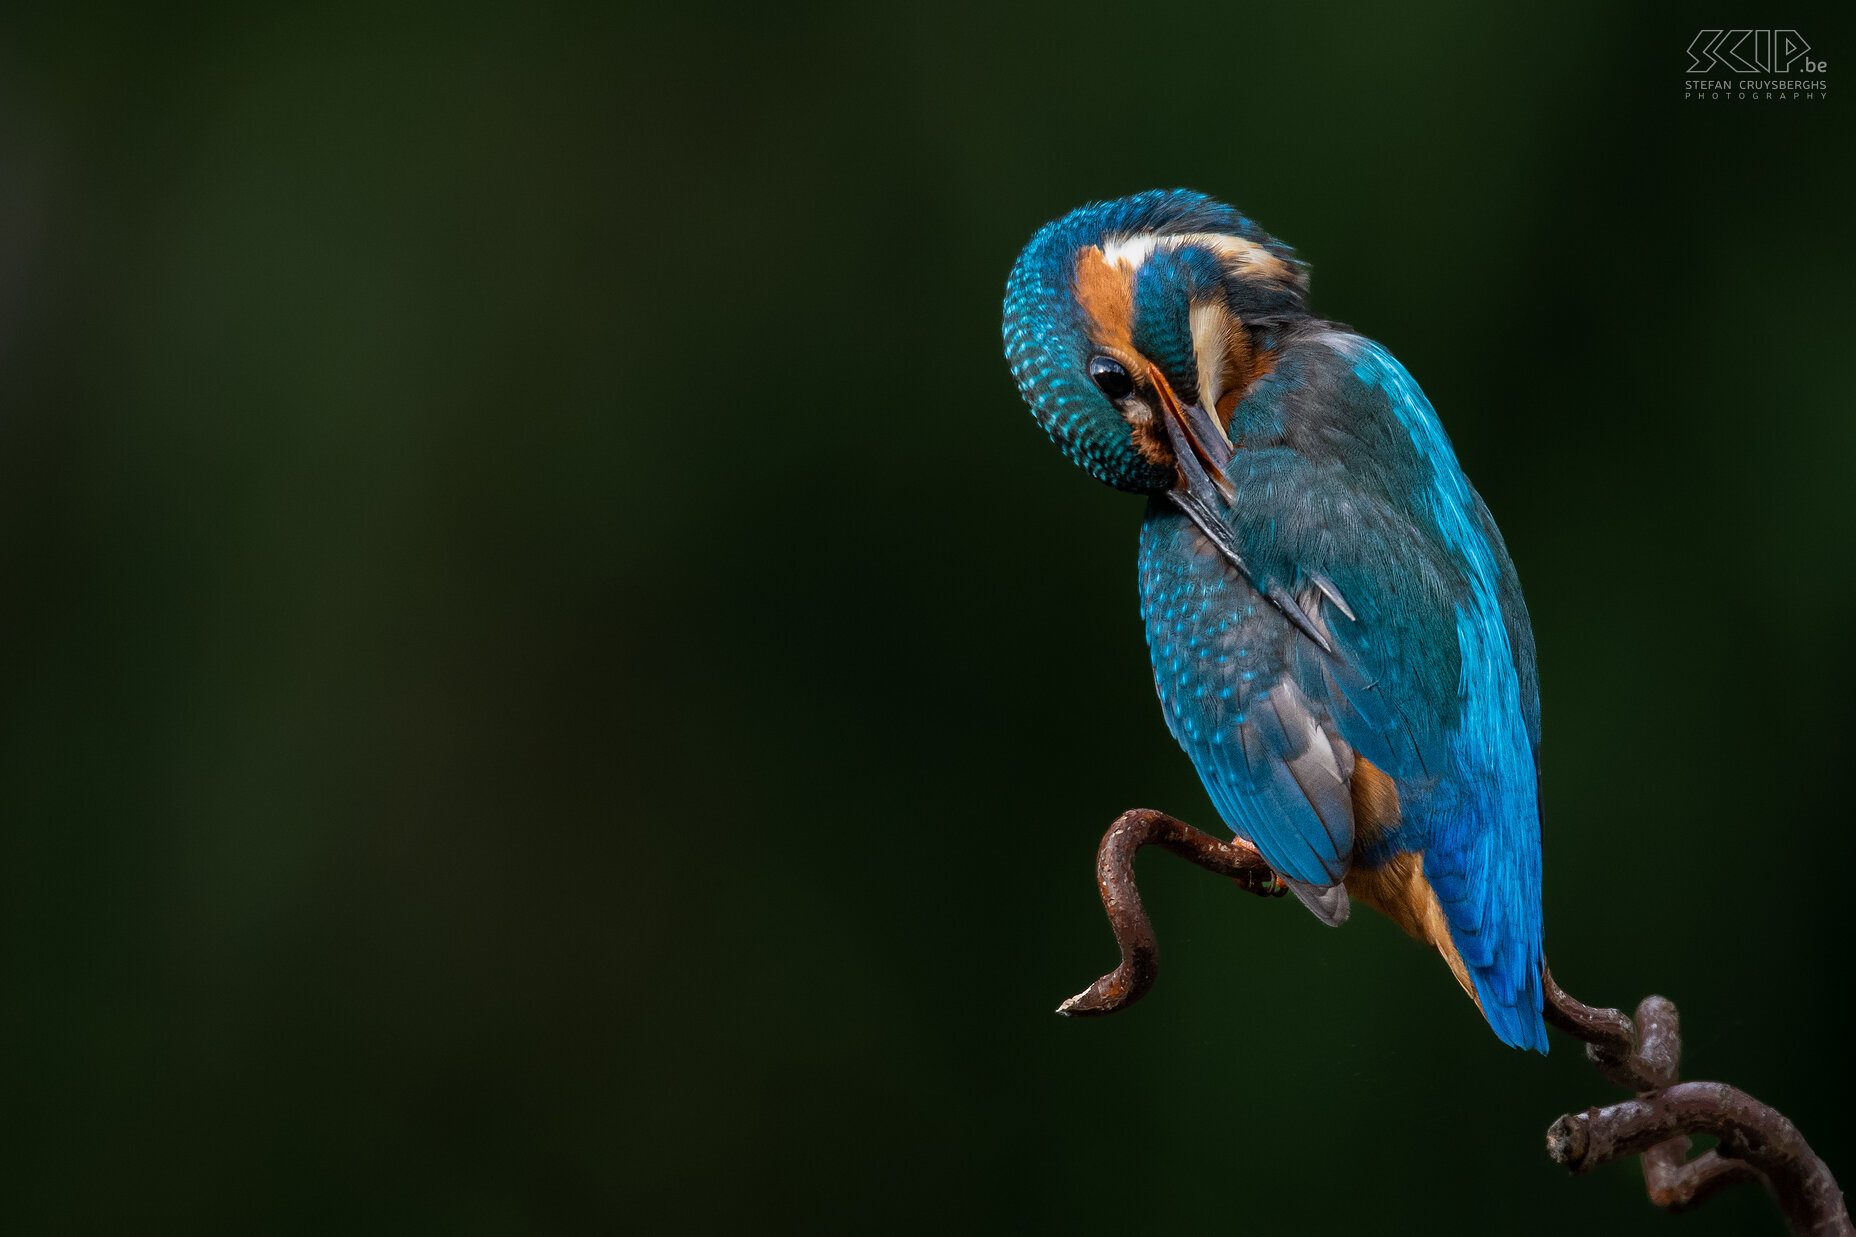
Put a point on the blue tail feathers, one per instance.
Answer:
(1515, 1019)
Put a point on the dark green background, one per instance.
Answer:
(549, 684)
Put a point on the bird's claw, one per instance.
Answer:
(1140, 953)
(1264, 884)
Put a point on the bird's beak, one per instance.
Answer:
(1202, 451)
(1200, 445)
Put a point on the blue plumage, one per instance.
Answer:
(1338, 637)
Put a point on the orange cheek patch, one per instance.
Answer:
(1106, 295)
(1227, 408)
(1245, 365)
(1150, 441)
(1246, 259)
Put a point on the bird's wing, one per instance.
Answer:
(1363, 514)
(1348, 499)
(1482, 822)
(1272, 723)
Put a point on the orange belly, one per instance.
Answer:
(1397, 889)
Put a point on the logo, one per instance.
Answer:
(1747, 53)
(1750, 51)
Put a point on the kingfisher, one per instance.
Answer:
(1338, 636)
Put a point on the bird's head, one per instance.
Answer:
(1133, 329)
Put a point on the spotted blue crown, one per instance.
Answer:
(1047, 338)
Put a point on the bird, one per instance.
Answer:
(1338, 636)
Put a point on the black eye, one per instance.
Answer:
(1107, 374)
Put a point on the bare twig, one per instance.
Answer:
(1140, 952)
(1756, 1142)
(1677, 1183)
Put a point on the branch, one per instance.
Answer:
(1140, 952)
(1756, 1142)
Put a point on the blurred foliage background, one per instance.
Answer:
(549, 684)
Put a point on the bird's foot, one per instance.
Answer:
(1140, 954)
(1263, 884)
